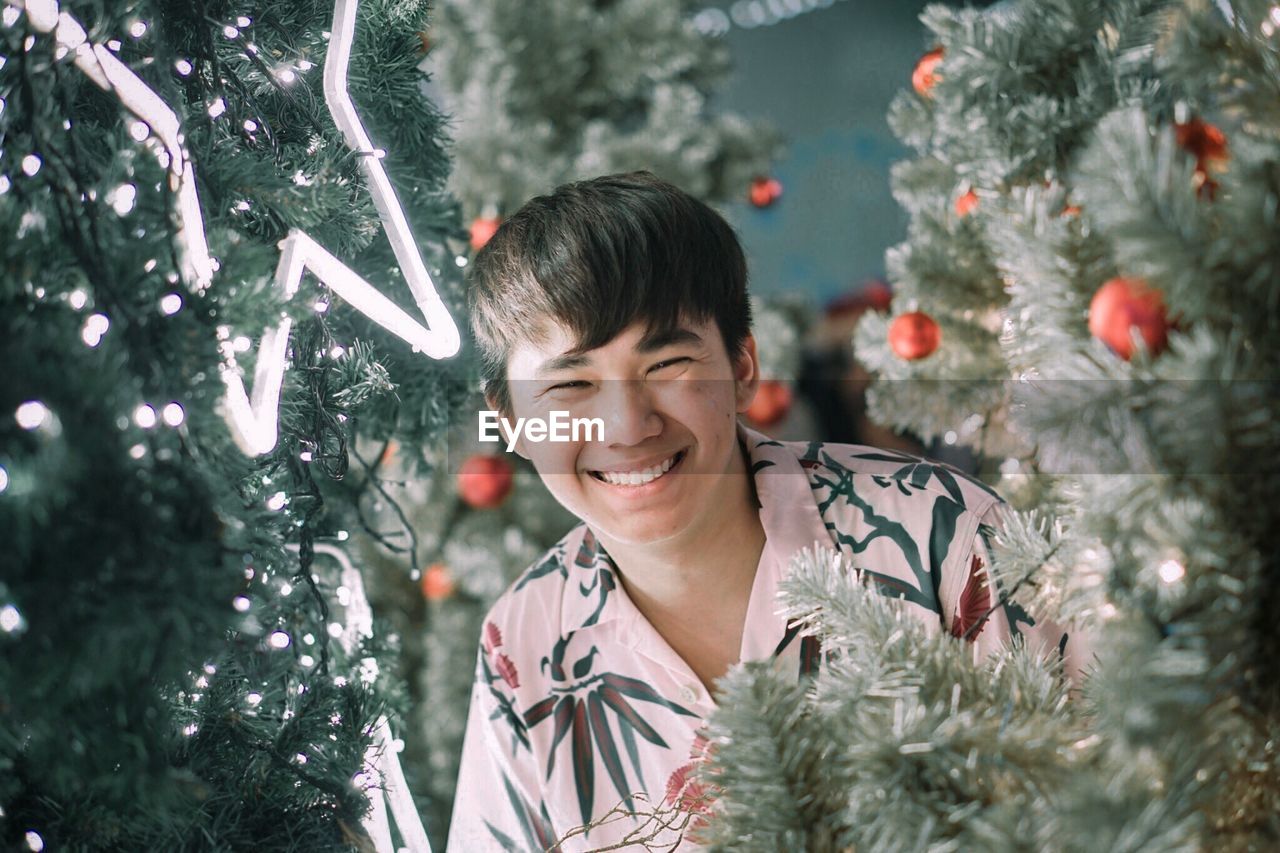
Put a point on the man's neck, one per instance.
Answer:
(713, 564)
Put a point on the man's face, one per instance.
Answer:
(666, 403)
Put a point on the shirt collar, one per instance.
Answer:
(593, 594)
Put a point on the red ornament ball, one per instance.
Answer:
(1205, 141)
(771, 404)
(967, 203)
(484, 481)
(437, 582)
(764, 191)
(914, 336)
(926, 74)
(1122, 304)
(482, 230)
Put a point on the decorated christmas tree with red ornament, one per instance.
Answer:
(1088, 296)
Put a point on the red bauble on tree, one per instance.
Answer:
(966, 203)
(764, 191)
(771, 404)
(914, 336)
(437, 582)
(484, 481)
(1208, 144)
(926, 74)
(482, 230)
(1122, 304)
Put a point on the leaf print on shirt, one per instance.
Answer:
(587, 713)
(536, 826)
(553, 563)
(881, 527)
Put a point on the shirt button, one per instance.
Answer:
(688, 694)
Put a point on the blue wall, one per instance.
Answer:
(825, 79)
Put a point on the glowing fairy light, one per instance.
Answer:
(1171, 571)
(217, 108)
(4, 480)
(137, 451)
(279, 640)
(32, 415)
(30, 165)
(286, 589)
(9, 16)
(183, 67)
(241, 604)
(77, 299)
(122, 198)
(145, 416)
(34, 842)
(170, 304)
(250, 125)
(95, 328)
(230, 31)
(243, 22)
(277, 501)
(138, 29)
(11, 620)
(173, 414)
(139, 131)
(254, 699)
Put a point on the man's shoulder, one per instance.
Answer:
(539, 590)
(838, 468)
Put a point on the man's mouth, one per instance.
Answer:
(640, 476)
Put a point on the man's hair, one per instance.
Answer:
(597, 256)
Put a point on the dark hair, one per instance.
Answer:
(597, 256)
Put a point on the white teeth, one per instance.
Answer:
(637, 478)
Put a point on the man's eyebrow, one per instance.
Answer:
(655, 341)
(563, 362)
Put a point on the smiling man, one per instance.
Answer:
(624, 299)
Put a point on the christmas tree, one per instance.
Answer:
(187, 655)
(1089, 291)
(542, 93)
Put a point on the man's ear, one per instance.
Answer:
(746, 374)
(492, 403)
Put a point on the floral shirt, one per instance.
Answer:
(581, 708)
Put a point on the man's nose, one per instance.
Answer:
(630, 416)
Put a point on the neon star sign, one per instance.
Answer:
(253, 417)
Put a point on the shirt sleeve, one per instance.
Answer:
(987, 614)
(498, 802)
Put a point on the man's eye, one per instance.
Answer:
(670, 362)
(577, 383)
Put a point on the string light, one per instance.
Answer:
(243, 22)
(241, 603)
(171, 303)
(137, 451)
(11, 620)
(34, 842)
(30, 165)
(183, 67)
(9, 16)
(173, 414)
(279, 640)
(277, 501)
(139, 130)
(77, 299)
(217, 108)
(32, 415)
(230, 31)
(122, 198)
(95, 327)
(138, 29)
(286, 589)
(1171, 571)
(4, 184)
(250, 125)
(254, 699)
(145, 416)
(4, 480)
